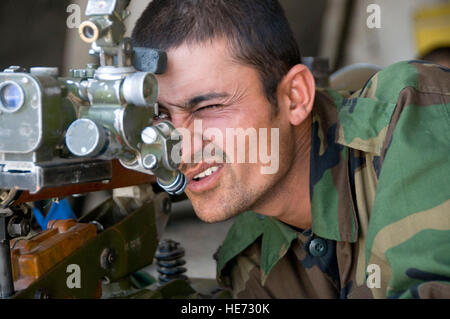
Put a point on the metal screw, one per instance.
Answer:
(107, 258)
(150, 161)
(149, 135)
(18, 227)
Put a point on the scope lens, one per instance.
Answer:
(88, 32)
(11, 97)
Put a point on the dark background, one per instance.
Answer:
(32, 32)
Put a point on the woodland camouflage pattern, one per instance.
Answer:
(380, 194)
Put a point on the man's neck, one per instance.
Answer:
(290, 199)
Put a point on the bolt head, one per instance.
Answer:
(107, 258)
(150, 161)
(149, 135)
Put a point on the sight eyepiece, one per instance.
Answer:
(176, 186)
(89, 32)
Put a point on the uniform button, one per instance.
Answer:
(260, 217)
(318, 247)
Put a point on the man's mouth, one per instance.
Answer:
(206, 173)
(205, 178)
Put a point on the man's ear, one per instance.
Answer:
(296, 94)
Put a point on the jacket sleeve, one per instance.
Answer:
(409, 231)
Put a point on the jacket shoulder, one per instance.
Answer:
(365, 116)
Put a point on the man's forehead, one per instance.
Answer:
(192, 57)
(198, 70)
(190, 89)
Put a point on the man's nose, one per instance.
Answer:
(192, 144)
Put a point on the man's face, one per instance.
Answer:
(203, 83)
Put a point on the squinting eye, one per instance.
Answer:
(208, 107)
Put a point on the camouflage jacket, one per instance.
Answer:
(380, 200)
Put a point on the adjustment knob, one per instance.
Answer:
(86, 138)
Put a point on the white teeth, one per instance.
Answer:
(207, 173)
(214, 169)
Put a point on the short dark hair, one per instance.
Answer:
(257, 30)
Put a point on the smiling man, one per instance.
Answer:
(358, 205)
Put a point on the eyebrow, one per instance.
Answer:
(196, 100)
